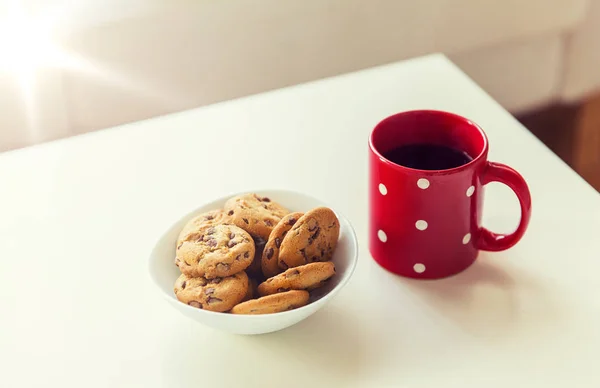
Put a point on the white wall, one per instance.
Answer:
(142, 58)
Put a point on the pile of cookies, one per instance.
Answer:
(254, 256)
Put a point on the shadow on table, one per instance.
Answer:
(485, 299)
(327, 343)
(326, 346)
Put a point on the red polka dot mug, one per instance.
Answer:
(427, 171)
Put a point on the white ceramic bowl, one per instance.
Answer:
(163, 272)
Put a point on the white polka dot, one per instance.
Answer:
(423, 183)
(382, 189)
(467, 238)
(419, 268)
(470, 191)
(382, 236)
(421, 224)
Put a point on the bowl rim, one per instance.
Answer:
(353, 240)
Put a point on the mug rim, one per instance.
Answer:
(465, 166)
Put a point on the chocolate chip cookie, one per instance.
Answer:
(269, 262)
(304, 277)
(255, 214)
(313, 238)
(215, 251)
(273, 303)
(218, 294)
(211, 218)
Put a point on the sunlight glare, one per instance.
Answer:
(26, 44)
(29, 46)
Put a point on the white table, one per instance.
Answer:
(78, 218)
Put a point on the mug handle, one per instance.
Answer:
(498, 172)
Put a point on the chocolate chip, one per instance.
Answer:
(232, 235)
(312, 238)
(216, 280)
(179, 246)
(303, 252)
(322, 252)
(270, 253)
(196, 304)
(201, 238)
(246, 254)
(292, 221)
(238, 257)
(269, 222)
(266, 199)
(223, 266)
(230, 213)
(313, 228)
(209, 291)
(316, 233)
(284, 265)
(245, 220)
(232, 243)
(332, 225)
(292, 274)
(281, 289)
(183, 285)
(277, 242)
(212, 299)
(212, 242)
(209, 217)
(314, 259)
(211, 231)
